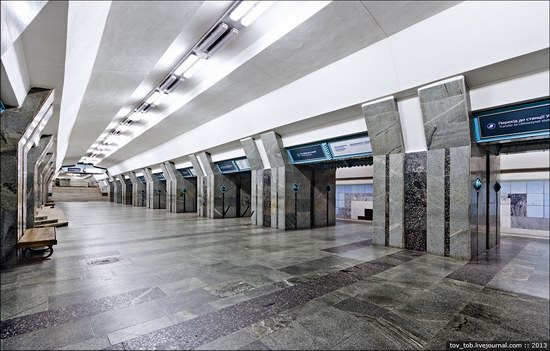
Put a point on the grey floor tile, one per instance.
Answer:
(51, 338)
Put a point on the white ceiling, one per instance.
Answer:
(132, 58)
(142, 41)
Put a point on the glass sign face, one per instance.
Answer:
(160, 176)
(519, 121)
(308, 153)
(142, 178)
(185, 172)
(351, 147)
(243, 164)
(193, 173)
(227, 166)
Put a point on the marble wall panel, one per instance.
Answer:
(111, 191)
(127, 188)
(493, 201)
(460, 192)
(324, 198)
(202, 202)
(34, 159)
(435, 229)
(186, 198)
(209, 167)
(396, 200)
(171, 185)
(276, 153)
(415, 186)
(266, 198)
(245, 194)
(19, 128)
(155, 190)
(445, 110)
(225, 204)
(298, 204)
(384, 126)
(379, 206)
(138, 190)
(41, 181)
(256, 203)
(118, 190)
(252, 154)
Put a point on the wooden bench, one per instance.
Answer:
(37, 237)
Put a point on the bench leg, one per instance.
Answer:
(27, 249)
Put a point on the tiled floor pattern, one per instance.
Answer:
(128, 278)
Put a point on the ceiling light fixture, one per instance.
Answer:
(184, 66)
(155, 98)
(241, 10)
(170, 83)
(232, 34)
(219, 36)
(256, 12)
(212, 37)
(193, 69)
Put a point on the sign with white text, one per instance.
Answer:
(350, 147)
(519, 121)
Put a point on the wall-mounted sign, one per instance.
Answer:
(74, 169)
(309, 153)
(351, 147)
(185, 172)
(227, 166)
(160, 176)
(295, 187)
(223, 189)
(512, 122)
(243, 164)
(142, 178)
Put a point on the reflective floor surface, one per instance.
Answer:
(123, 277)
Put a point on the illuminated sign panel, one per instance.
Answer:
(243, 164)
(519, 121)
(227, 166)
(351, 147)
(309, 153)
(160, 176)
(185, 172)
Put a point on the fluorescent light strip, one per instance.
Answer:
(248, 11)
(241, 10)
(193, 69)
(256, 12)
(184, 66)
(154, 99)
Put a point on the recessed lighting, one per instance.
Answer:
(256, 12)
(241, 10)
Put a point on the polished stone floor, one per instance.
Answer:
(133, 278)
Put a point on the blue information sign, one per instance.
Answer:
(519, 121)
(74, 169)
(185, 172)
(308, 153)
(160, 176)
(227, 166)
(142, 178)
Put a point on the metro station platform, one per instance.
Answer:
(127, 277)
